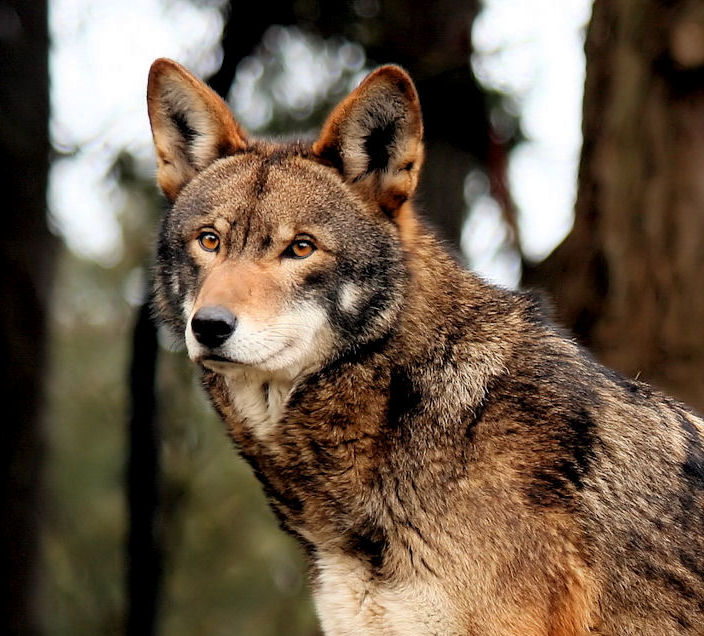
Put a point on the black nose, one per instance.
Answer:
(213, 325)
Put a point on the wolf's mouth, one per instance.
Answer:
(223, 364)
(218, 363)
(216, 358)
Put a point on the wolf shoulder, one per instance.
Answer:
(621, 460)
(599, 420)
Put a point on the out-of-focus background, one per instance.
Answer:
(591, 191)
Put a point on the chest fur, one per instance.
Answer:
(350, 601)
(259, 400)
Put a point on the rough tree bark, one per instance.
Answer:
(26, 255)
(627, 279)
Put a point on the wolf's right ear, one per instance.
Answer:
(191, 125)
(374, 138)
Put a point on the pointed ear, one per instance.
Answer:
(375, 138)
(191, 125)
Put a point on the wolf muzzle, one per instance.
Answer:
(212, 325)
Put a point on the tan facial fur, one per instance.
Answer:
(275, 331)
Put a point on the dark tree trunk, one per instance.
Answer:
(144, 553)
(27, 253)
(627, 279)
(238, 42)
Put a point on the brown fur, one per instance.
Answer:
(452, 464)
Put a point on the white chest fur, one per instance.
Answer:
(350, 602)
(259, 398)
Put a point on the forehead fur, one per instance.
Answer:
(283, 185)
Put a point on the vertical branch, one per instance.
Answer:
(144, 554)
(238, 42)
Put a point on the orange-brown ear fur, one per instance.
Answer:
(191, 125)
(374, 138)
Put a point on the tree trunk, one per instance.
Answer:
(627, 279)
(144, 549)
(26, 251)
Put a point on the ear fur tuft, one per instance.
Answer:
(191, 125)
(374, 138)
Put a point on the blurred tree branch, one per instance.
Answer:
(144, 551)
(240, 37)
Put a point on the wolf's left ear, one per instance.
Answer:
(375, 138)
(192, 126)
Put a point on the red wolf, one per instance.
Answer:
(450, 462)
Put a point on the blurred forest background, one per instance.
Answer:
(205, 555)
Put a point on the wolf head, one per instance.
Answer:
(279, 257)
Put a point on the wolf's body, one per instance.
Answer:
(450, 462)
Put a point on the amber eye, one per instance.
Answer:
(209, 241)
(300, 248)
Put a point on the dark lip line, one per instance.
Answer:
(216, 358)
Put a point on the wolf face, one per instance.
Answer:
(277, 258)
